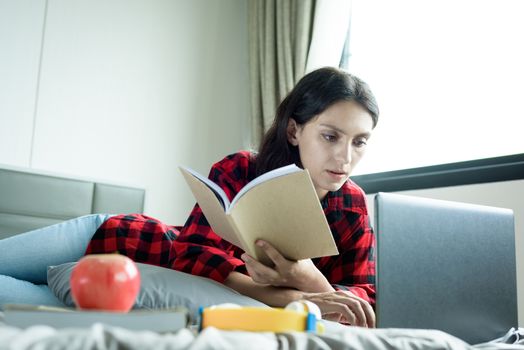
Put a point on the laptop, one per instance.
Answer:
(445, 265)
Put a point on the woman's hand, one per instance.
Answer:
(343, 307)
(302, 275)
(339, 306)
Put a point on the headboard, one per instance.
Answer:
(30, 200)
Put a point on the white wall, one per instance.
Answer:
(507, 194)
(21, 24)
(125, 90)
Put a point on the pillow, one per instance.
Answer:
(160, 288)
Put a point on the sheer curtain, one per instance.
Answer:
(280, 33)
(287, 39)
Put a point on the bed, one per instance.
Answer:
(31, 200)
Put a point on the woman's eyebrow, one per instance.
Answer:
(334, 128)
(337, 129)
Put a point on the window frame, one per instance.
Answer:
(495, 169)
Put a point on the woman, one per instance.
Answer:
(323, 125)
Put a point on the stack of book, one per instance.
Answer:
(161, 321)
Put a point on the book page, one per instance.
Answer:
(212, 208)
(219, 192)
(288, 169)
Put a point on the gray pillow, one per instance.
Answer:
(160, 288)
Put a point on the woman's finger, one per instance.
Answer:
(350, 308)
(336, 317)
(258, 271)
(355, 305)
(370, 314)
(272, 252)
(364, 310)
(345, 312)
(333, 305)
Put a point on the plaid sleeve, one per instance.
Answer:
(199, 250)
(354, 268)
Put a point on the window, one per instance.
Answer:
(448, 76)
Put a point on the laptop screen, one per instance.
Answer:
(445, 265)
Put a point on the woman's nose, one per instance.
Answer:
(344, 154)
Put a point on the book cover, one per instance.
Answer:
(162, 320)
(280, 206)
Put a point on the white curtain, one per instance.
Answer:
(280, 33)
(287, 39)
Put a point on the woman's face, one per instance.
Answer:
(331, 144)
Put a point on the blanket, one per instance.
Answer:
(102, 337)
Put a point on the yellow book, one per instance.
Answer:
(280, 207)
(260, 319)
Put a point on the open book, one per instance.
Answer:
(280, 207)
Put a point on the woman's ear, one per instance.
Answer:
(292, 129)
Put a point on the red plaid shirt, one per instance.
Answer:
(200, 251)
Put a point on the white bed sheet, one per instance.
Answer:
(104, 337)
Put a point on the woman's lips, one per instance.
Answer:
(337, 174)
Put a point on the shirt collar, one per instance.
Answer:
(350, 197)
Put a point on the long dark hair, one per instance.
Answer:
(311, 96)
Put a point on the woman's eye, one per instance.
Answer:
(360, 142)
(329, 137)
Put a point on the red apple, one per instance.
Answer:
(108, 282)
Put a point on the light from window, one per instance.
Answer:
(448, 76)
